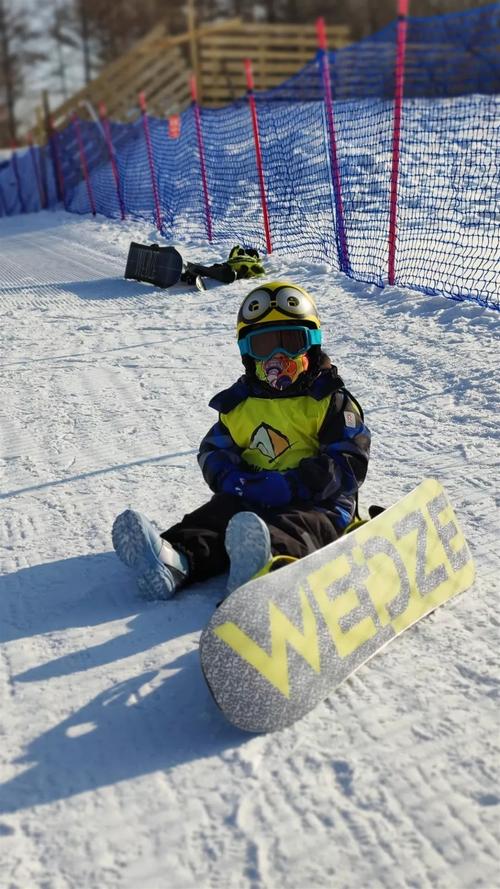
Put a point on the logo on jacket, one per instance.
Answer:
(269, 441)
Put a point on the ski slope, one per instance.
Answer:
(116, 769)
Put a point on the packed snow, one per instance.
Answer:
(117, 770)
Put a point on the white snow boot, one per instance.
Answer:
(248, 545)
(159, 568)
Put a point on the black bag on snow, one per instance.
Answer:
(161, 266)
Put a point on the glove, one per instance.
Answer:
(234, 482)
(298, 487)
(268, 489)
(262, 488)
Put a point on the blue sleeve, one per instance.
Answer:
(344, 448)
(218, 455)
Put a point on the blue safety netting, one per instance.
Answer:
(448, 188)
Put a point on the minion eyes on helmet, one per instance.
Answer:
(289, 300)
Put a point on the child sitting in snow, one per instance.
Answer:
(284, 460)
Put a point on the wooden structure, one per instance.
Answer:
(160, 66)
(277, 52)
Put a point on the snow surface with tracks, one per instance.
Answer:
(116, 769)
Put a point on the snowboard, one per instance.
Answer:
(282, 643)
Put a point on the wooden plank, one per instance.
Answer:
(250, 51)
(249, 34)
(161, 43)
(262, 75)
(173, 89)
(173, 102)
(165, 92)
(269, 33)
(235, 84)
(297, 60)
(110, 73)
(150, 76)
(292, 28)
(238, 85)
(175, 81)
(140, 74)
(219, 43)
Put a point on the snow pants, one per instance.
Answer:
(294, 531)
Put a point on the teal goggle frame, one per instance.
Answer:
(291, 340)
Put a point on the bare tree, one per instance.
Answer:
(16, 35)
(84, 34)
(62, 31)
(108, 29)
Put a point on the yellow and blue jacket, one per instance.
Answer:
(316, 437)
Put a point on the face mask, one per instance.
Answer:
(280, 371)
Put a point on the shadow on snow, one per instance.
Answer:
(96, 288)
(120, 735)
(6, 495)
(153, 721)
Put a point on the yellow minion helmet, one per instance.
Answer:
(277, 302)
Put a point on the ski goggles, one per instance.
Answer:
(291, 341)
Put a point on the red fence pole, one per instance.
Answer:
(83, 161)
(399, 74)
(201, 151)
(258, 153)
(149, 149)
(111, 153)
(344, 263)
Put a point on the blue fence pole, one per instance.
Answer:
(18, 182)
